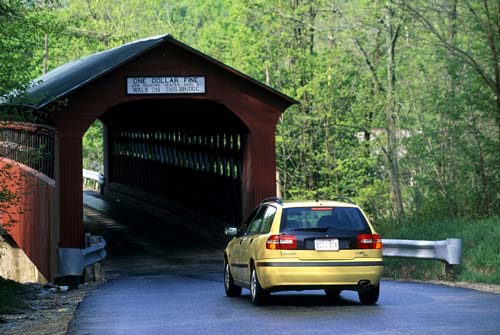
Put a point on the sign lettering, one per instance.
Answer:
(165, 85)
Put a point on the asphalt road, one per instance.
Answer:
(157, 287)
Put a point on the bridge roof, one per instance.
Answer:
(72, 76)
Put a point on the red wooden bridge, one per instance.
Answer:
(182, 132)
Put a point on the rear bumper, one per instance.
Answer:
(274, 274)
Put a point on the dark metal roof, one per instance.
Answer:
(72, 76)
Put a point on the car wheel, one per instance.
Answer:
(231, 289)
(370, 296)
(332, 293)
(257, 293)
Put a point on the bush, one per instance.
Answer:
(10, 296)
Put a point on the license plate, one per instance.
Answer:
(326, 245)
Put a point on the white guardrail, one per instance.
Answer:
(95, 176)
(72, 261)
(449, 250)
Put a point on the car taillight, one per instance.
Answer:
(369, 241)
(281, 242)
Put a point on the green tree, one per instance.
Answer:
(22, 29)
(454, 160)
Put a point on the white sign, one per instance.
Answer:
(165, 85)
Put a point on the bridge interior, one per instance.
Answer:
(180, 152)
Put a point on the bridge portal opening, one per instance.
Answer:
(92, 148)
(183, 155)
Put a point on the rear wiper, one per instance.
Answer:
(311, 229)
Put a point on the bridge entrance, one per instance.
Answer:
(179, 153)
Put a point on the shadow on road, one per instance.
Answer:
(301, 299)
(140, 243)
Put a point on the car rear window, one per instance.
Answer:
(338, 218)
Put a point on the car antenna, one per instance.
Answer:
(345, 199)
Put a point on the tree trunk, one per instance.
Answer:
(448, 114)
(391, 116)
(493, 44)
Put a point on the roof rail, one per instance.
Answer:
(273, 199)
(345, 199)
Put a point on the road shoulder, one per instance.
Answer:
(49, 311)
(488, 288)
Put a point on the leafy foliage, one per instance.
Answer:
(398, 99)
(93, 148)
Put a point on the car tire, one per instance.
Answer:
(258, 295)
(231, 289)
(370, 296)
(332, 293)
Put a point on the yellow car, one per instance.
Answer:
(327, 245)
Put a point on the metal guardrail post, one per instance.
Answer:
(72, 261)
(454, 248)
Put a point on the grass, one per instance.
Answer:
(10, 296)
(481, 250)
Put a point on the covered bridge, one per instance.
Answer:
(182, 132)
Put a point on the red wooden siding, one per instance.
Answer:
(33, 231)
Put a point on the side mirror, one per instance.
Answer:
(231, 231)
